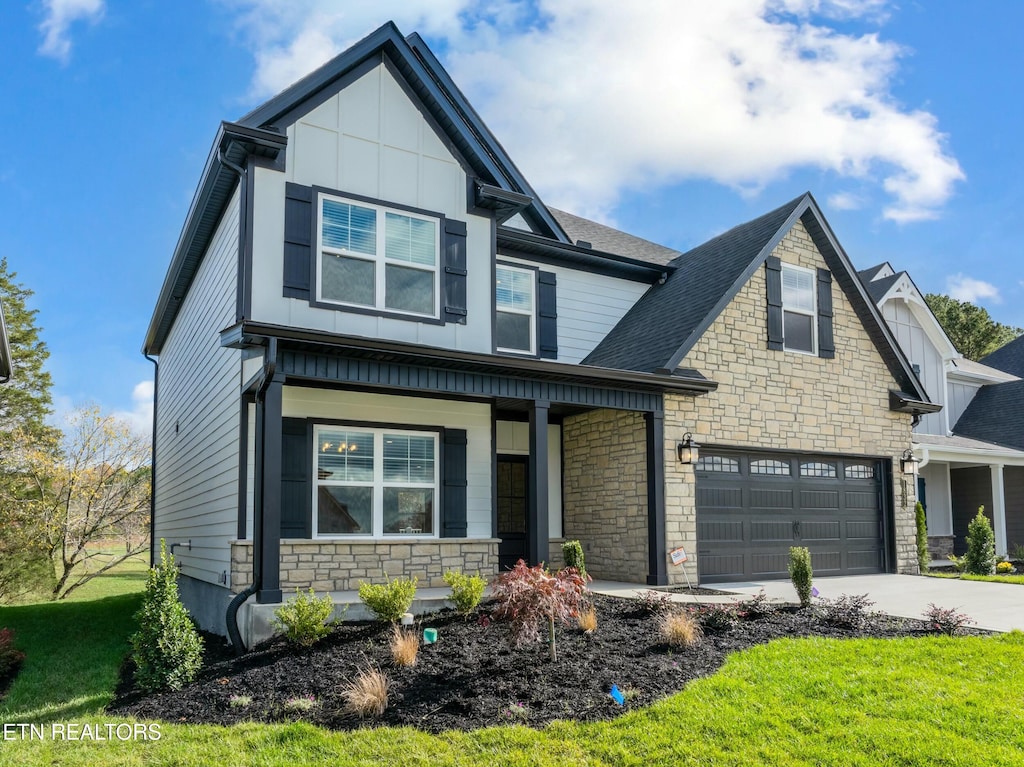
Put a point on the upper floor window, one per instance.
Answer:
(799, 314)
(376, 257)
(515, 310)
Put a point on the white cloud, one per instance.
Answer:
(594, 98)
(59, 16)
(845, 201)
(964, 288)
(140, 417)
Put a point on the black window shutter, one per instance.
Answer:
(826, 342)
(547, 316)
(296, 475)
(773, 276)
(298, 236)
(454, 271)
(453, 509)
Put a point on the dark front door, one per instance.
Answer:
(512, 491)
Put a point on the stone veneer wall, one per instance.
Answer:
(328, 565)
(786, 400)
(940, 546)
(604, 492)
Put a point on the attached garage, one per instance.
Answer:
(752, 507)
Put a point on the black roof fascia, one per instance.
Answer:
(516, 241)
(866, 309)
(217, 183)
(735, 288)
(907, 403)
(6, 363)
(502, 202)
(536, 213)
(247, 333)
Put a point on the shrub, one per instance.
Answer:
(467, 590)
(1005, 568)
(945, 620)
(654, 602)
(391, 600)
(1017, 551)
(530, 596)
(405, 646)
(240, 701)
(679, 629)
(367, 694)
(757, 607)
(572, 553)
(587, 620)
(302, 703)
(167, 649)
(10, 656)
(303, 618)
(715, 618)
(981, 545)
(847, 611)
(800, 573)
(923, 557)
(959, 563)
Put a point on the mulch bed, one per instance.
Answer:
(474, 676)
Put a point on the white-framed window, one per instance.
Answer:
(374, 483)
(515, 302)
(799, 309)
(377, 257)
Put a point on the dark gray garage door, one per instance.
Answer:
(751, 508)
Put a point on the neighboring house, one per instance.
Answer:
(972, 452)
(380, 354)
(6, 363)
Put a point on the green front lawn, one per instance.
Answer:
(934, 701)
(1016, 579)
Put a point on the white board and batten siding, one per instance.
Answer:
(937, 484)
(960, 396)
(919, 349)
(474, 417)
(589, 305)
(197, 416)
(513, 438)
(371, 140)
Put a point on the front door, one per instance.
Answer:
(512, 490)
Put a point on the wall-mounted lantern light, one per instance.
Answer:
(908, 463)
(688, 450)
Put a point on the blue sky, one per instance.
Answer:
(672, 120)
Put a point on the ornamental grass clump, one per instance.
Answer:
(167, 649)
(467, 590)
(303, 618)
(679, 629)
(367, 694)
(405, 646)
(981, 546)
(391, 600)
(529, 597)
(587, 620)
(800, 573)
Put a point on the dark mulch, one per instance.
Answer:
(697, 591)
(474, 676)
(7, 678)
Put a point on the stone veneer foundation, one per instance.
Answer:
(328, 565)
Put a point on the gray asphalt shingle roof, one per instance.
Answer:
(676, 313)
(878, 288)
(996, 414)
(1009, 358)
(609, 240)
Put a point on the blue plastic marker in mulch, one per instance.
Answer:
(814, 591)
(429, 636)
(617, 695)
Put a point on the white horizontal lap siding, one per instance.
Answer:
(919, 350)
(589, 305)
(197, 416)
(385, 409)
(371, 140)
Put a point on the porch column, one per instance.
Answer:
(657, 573)
(998, 508)
(267, 522)
(537, 509)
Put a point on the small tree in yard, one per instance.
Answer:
(530, 596)
(923, 557)
(167, 649)
(981, 546)
(800, 573)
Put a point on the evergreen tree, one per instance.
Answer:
(973, 332)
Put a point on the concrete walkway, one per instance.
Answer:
(993, 606)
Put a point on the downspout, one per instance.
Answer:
(269, 368)
(152, 460)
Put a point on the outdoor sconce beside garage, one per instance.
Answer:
(908, 463)
(688, 450)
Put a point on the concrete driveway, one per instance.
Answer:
(993, 606)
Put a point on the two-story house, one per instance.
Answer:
(380, 354)
(972, 452)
